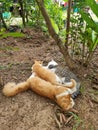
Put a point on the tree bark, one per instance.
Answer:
(68, 22)
(22, 12)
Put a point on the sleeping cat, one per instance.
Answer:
(45, 73)
(44, 87)
(61, 95)
(52, 65)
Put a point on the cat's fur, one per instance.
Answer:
(52, 65)
(11, 88)
(44, 87)
(45, 73)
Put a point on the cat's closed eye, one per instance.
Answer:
(51, 66)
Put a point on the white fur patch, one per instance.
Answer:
(72, 102)
(58, 79)
(63, 94)
(32, 75)
(74, 89)
(52, 62)
(67, 92)
(68, 84)
(63, 80)
(53, 69)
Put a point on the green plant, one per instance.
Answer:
(87, 17)
(56, 14)
(91, 41)
(9, 48)
(84, 32)
(77, 120)
(11, 34)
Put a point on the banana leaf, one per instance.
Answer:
(95, 41)
(92, 38)
(89, 21)
(94, 7)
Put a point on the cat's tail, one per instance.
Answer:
(71, 85)
(11, 88)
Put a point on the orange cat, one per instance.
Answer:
(45, 73)
(11, 88)
(61, 95)
(44, 87)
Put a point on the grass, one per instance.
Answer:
(2, 67)
(10, 65)
(11, 34)
(82, 88)
(77, 120)
(9, 48)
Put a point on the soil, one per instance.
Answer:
(29, 111)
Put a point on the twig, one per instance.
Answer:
(61, 120)
(73, 110)
(57, 122)
(95, 100)
(69, 119)
(91, 104)
(63, 117)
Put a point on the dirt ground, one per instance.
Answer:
(29, 111)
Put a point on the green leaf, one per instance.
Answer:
(93, 36)
(92, 39)
(89, 21)
(55, 26)
(95, 42)
(92, 4)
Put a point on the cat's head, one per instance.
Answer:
(65, 102)
(37, 62)
(52, 65)
(63, 98)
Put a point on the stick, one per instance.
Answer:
(69, 119)
(57, 122)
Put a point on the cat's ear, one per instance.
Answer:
(40, 62)
(52, 60)
(35, 61)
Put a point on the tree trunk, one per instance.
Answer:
(22, 12)
(68, 22)
(26, 11)
(63, 49)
